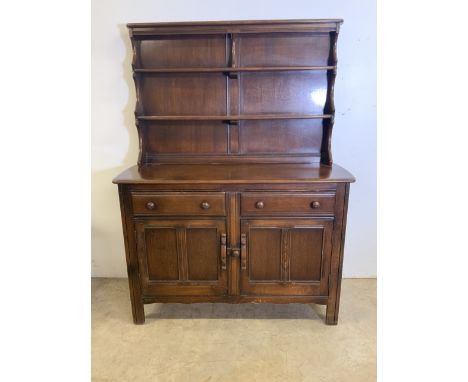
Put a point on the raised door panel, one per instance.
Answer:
(306, 246)
(286, 257)
(265, 243)
(202, 253)
(161, 254)
(181, 257)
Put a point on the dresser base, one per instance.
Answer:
(234, 234)
(331, 316)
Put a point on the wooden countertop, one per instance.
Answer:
(233, 173)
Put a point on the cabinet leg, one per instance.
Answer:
(138, 312)
(331, 317)
(138, 309)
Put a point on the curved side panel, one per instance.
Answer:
(326, 154)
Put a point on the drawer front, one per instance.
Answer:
(288, 203)
(170, 203)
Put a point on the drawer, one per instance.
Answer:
(183, 203)
(257, 203)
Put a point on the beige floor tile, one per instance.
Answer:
(224, 342)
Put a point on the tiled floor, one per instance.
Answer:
(223, 342)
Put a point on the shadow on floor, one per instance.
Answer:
(234, 311)
(111, 299)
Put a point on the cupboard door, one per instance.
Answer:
(286, 257)
(182, 257)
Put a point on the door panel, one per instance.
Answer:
(286, 256)
(161, 250)
(306, 241)
(181, 257)
(202, 253)
(266, 244)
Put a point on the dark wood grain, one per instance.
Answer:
(283, 93)
(172, 52)
(185, 137)
(295, 136)
(284, 49)
(235, 197)
(162, 94)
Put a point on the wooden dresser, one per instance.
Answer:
(234, 197)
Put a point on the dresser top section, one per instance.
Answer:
(233, 174)
(235, 91)
(245, 26)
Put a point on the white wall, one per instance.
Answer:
(114, 137)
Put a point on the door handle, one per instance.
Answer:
(243, 251)
(223, 251)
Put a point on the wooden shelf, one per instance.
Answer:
(230, 117)
(146, 30)
(235, 70)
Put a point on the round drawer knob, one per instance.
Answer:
(315, 205)
(150, 205)
(205, 205)
(259, 205)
